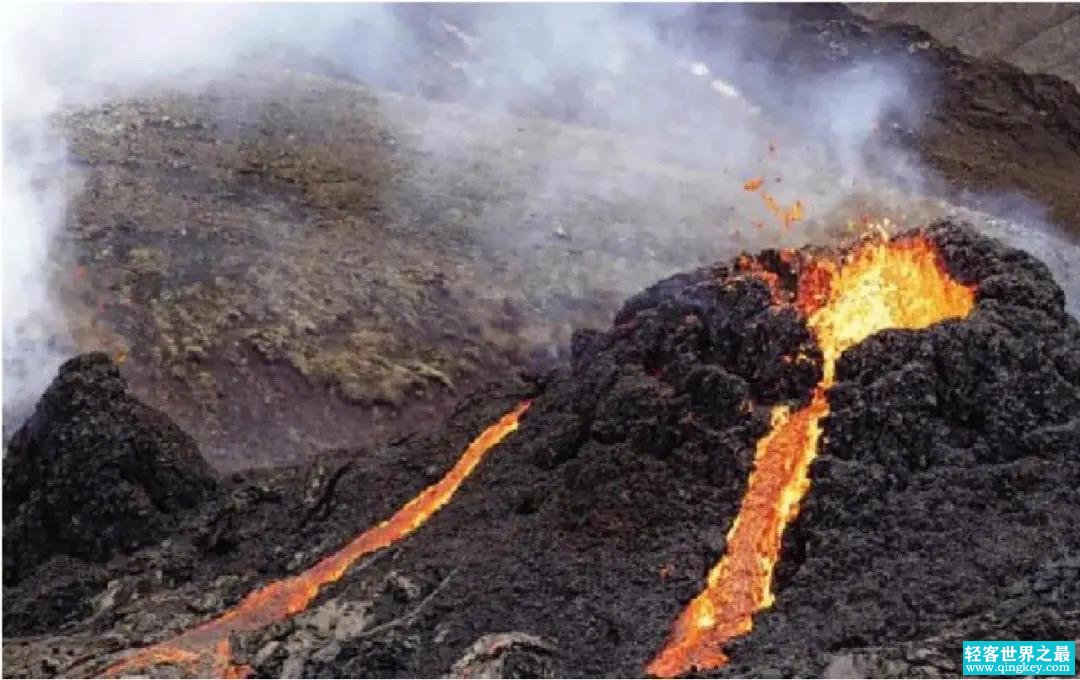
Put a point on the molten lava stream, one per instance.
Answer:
(204, 650)
(898, 284)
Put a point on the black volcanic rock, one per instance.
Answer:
(945, 502)
(943, 506)
(947, 480)
(591, 525)
(94, 472)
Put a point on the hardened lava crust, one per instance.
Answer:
(943, 504)
(94, 472)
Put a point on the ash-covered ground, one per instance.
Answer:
(944, 504)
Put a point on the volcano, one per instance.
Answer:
(824, 461)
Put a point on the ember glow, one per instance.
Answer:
(753, 184)
(881, 285)
(787, 215)
(204, 650)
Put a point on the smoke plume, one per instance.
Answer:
(644, 117)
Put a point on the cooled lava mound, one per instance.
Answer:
(927, 491)
(94, 471)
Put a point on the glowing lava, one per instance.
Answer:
(897, 284)
(204, 650)
(788, 215)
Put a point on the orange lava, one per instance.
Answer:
(750, 265)
(204, 650)
(888, 284)
(788, 215)
(793, 214)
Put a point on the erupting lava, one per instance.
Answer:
(788, 215)
(205, 650)
(891, 284)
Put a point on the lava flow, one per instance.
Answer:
(205, 651)
(889, 284)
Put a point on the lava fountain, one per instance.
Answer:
(877, 286)
(205, 650)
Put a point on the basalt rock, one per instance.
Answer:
(943, 503)
(948, 476)
(94, 472)
(506, 655)
(946, 491)
(591, 526)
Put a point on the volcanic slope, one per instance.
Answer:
(942, 505)
(594, 524)
(946, 486)
(289, 260)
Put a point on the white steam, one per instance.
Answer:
(729, 114)
(60, 56)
